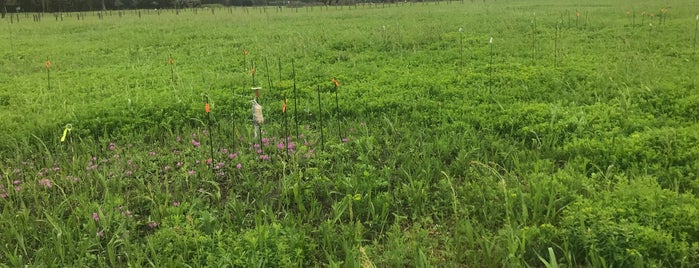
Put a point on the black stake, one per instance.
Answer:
(233, 121)
(286, 127)
(48, 73)
(320, 120)
(279, 64)
(491, 65)
(296, 111)
(245, 62)
(650, 33)
(534, 39)
(337, 109)
(269, 77)
(555, 47)
(696, 28)
(171, 61)
(207, 109)
(286, 122)
(461, 46)
(252, 72)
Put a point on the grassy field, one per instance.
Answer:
(462, 134)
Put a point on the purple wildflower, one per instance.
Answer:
(45, 182)
(195, 143)
(126, 213)
(153, 224)
(95, 216)
(231, 156)
(238, 166)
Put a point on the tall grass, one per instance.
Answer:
(560, 146)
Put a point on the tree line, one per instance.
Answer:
(11, 6)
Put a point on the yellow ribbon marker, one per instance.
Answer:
(67, 129)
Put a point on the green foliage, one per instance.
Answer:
(575, 146)
(636, 224)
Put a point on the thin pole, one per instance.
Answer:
(48, 73)
(555, 47)
(337, 112)
(296, 111)
(171, 61)
(269, 77)
(211, 134)
(286, 128)
(252, 72)
(461, 46)
(491, 64)
(696, 28)
(320, 119)
(534, 39)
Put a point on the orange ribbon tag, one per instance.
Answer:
(337, 83)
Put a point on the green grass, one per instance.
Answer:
(582, 150)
